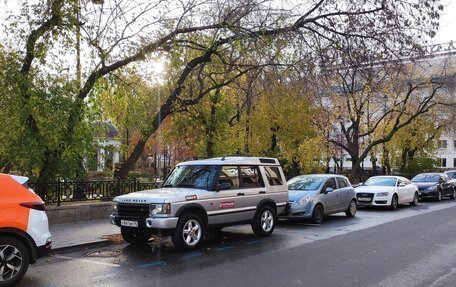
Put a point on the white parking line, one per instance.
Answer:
(86, 261)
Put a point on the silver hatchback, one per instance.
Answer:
(315, 195)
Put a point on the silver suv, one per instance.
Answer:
(204, 195)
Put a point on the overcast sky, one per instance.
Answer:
(447, 31)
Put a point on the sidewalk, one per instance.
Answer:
(69, 235)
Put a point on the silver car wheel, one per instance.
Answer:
(10, 262)
(353, 207)
(267, 220)
(192, 232)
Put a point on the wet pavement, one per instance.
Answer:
(411, 246)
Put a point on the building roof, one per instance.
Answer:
(105, 130)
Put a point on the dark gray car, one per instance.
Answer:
(315, 195)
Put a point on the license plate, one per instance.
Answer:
(364, 199)
(129, 223)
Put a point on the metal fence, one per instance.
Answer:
(74, 191)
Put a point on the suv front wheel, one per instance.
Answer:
(264, 221)
(189, 232)
(14, 260)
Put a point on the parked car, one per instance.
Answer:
(451, 174)
(435, 185)
(205, 194)
(389, 191)
(315, 195)
(24, 230)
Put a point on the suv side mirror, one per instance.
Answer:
(224, 186)
(328, 189)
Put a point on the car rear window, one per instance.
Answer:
(273, 175)
(250, 177)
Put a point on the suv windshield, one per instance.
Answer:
(380, 181)
(193, 176)
(305, 183)
(426, 178)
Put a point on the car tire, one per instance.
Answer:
(394, 202)
(415, 199)
(189, 233)
(439, 196)
(318, 214)
(263, 223)
(14, 253)
(352, 208)
(453, 194)
(134, 236)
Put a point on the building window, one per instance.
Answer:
(442, 162)
(454, 162)
(442, 144)
(454, 145)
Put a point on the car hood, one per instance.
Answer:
(160, 195)
(424, 184)
(374, 189)
(294, 195)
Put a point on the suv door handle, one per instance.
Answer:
(240, 194)
(262, 192)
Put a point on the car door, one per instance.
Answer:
(447, 186)
(402, 191)
(329, 199)
(252, 190)
(226, 205)
(343, 193)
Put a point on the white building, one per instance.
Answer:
(108, 145)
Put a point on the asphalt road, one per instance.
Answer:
(412, 246)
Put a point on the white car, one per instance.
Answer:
(389, 191)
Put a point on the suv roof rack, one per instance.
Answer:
(194, 158)
(233, 155)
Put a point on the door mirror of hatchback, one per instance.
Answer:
(224, 186)
(328, 189)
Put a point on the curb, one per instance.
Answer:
(87, 245)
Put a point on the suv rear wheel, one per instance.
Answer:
(135, 236)
(264, 221)
(14, 260)
(189, 232)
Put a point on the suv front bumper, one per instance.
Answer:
(150, 222)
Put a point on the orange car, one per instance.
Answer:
(24, 229)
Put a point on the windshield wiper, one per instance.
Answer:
(185, 185)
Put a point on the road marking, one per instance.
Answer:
(86, 261)
(156, 263)
(225, 248)
(191, 255)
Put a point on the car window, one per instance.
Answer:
(229, 174)
(331, 182)
(192, 176)
(250, 177)
(380, 181)
(399, 182)
(273, 175)
(426, 178)
(307, 182)
(452, 175)
(342, 182)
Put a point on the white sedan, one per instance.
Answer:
(387, 191)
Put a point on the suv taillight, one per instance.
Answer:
(38, 205)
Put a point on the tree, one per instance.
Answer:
(369, 104)
(121, 33)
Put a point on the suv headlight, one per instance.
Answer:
(115, 208)
(303, 200)
(383, 194)
(163, 208)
